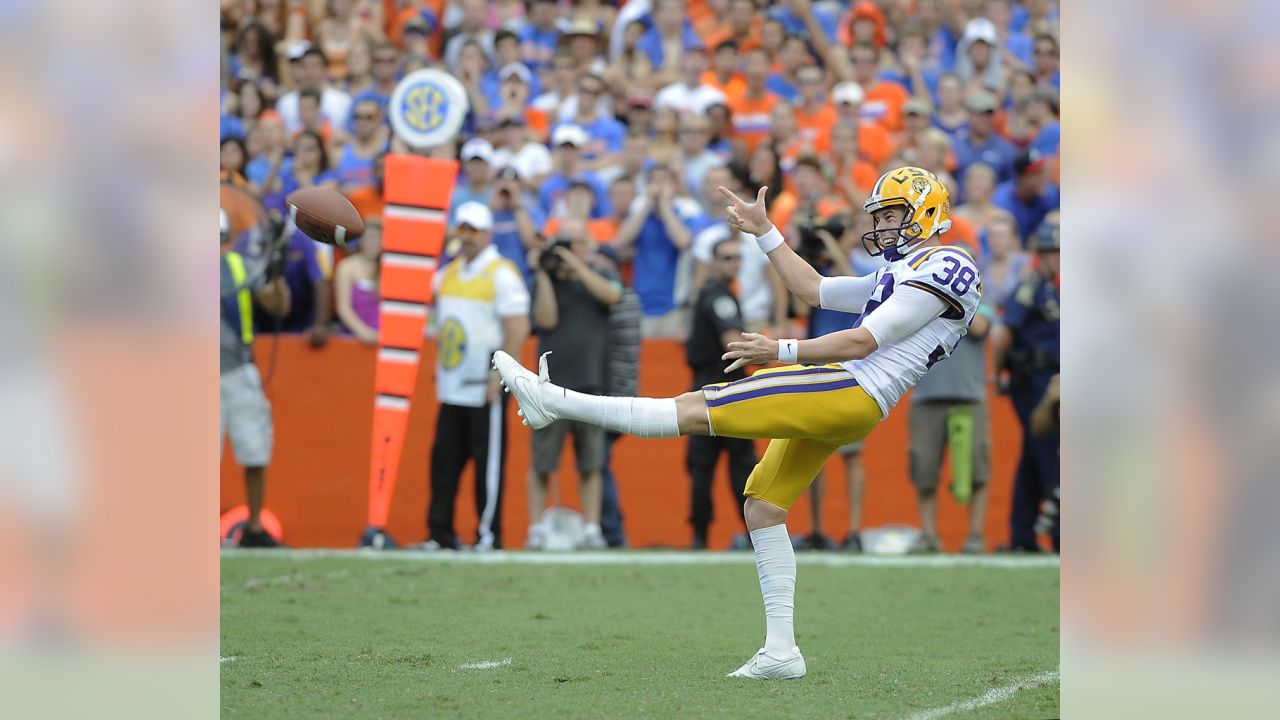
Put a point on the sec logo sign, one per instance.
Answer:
(427, 108)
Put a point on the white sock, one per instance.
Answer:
(776, 563)
(642, 417)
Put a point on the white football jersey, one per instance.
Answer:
(946, 272)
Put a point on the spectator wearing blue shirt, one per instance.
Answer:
(941, 39)
(516, 219)
(506, 51)
(793, 55)
(1045, 60)
(914, 69)
(372, 137)
(1015, 39)
(540, 36)
(793, 22)
(385, 64)
(604, 133)
(951, 117)
(567, 142)
(1044, 113)
(1028, 197)
(656, 234)
(669, 25)
(477, 176)
(979, 141)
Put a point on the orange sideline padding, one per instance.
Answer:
(323, 410)
(416, 180)
(415, 183)
(412, 235)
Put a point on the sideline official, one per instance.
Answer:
(717, 321)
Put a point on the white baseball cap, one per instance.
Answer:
(847, 92)
(477, 149)
(982, 29)
(519, 70)
(475, 215)
(569, 135)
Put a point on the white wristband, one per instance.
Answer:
(789, 351)
(769, 241)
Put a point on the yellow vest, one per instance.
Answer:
(244, 299)
(469, 330)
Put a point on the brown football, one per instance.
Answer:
(325, 215)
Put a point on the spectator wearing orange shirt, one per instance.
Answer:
(784, 136)
(232, 159)
(724, 75)
(815, 201)
(882, 101)
(764, 169)
(853, 176)
(751, 109)
(772, 35)
(863, 23)
(743, 27)
(815, 116)
(875, 144)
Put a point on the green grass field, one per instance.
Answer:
(327, 636)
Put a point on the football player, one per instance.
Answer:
(829, 391)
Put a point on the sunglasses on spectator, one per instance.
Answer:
(366, 116)
(385, 60)
(729, 258)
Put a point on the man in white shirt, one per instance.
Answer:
(312, 68)
(690, 95)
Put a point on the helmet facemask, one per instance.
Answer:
(894, 242)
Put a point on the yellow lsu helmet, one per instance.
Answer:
(926, 204)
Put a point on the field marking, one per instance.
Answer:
(651, 557)
(485, 664)
(230, 658)
(990, 697)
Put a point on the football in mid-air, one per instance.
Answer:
(325, 215)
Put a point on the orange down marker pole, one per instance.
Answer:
(418, 190)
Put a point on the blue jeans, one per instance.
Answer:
(610, 511)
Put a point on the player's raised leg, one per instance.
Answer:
(543, 402)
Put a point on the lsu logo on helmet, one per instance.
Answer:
(926, 207)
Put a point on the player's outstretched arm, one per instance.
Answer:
(905, 312)
(799, 277)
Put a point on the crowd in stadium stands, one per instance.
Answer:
(624, 117)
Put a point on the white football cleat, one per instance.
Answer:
(527, 388)
(772, 666)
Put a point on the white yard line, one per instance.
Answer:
(990, 697)
(486, 664)
(226, 659)
(650, 557)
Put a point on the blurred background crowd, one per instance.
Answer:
(615, 123)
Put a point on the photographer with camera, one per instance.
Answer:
(244, 411)
(573, 290)
(828, 246)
